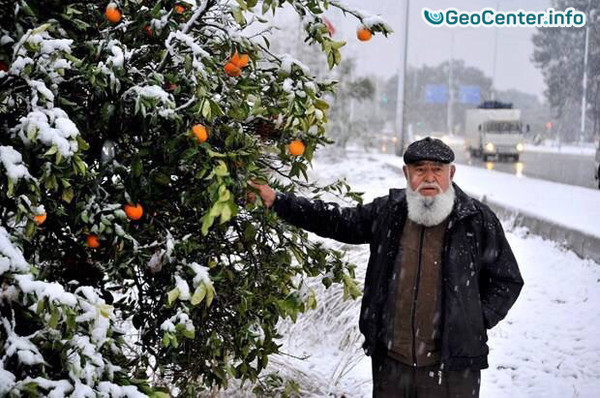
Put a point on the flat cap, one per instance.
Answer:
(428, 148)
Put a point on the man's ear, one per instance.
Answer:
(452, 171)
(405, 170)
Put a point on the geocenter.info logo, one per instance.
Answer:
(489, 17)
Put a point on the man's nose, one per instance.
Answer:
(429, 176)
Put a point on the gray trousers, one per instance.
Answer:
(392, 379)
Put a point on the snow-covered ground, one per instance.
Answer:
(546, 347)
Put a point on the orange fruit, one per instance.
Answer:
(40, 218)
(364, 34)
(241, 61)
(134, 212)
(148, 30)
(112, 13)
(296, 148)
(232, 70)
(92, 241)
(171, 87)
(179, 9)
(200, 132)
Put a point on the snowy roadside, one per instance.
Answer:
(567, 205)
(545, 348)
(586, 149)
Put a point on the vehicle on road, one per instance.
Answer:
(494, 129)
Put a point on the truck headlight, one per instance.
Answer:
(490, 147)
(520, 147)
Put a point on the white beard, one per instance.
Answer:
(429, 210)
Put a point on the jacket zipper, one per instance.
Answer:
(415, 296)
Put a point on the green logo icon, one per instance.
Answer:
(434, 18)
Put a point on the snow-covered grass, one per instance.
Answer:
(546, 347)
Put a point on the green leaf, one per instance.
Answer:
(322, 105)
(210, 294)
(68, 195)
(206, 110)
(54, 317)
(172, 296)
(53, 149)
(158, 394)
(221, 169)
(224, 194)
(207, 222)
(136, 166)
(189, 333)
(199, 294)
(225, 213)
(29, 228)
(238, 16)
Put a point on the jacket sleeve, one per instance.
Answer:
(500, 278)
(327, 219)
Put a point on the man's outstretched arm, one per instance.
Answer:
(329, 220)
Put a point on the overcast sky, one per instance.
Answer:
(432, 45)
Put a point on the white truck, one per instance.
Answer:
(494, 129)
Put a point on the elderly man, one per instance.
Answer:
(440, 274)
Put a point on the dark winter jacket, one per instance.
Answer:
(480, 276)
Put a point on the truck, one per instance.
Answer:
(494, 129)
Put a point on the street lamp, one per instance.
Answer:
(401, 88)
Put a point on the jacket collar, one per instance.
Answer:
(464, 205)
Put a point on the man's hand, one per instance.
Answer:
(266, 193)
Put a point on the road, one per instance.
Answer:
(557, 167)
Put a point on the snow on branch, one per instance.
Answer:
(50, 127)
(13, 163)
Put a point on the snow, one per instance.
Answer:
(117, 60)
(50, 127)
(167, 326)
(58, 389)
(54, 291)
(26, 351)
(586, 150)
(287, 61)
(12, 162)
(7, 380)
(201, 274)
(18, 64)
(108, 389)
(288, 85)
(184, 289)
(153, 92)
(546, 347)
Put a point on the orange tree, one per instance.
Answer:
(131, 262)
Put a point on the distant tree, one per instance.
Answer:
(534, 112)
(427, 117)
(346, 122)
(559, 53)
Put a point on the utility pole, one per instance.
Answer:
(401, 142)
(493, 90)
(585, 62)
(450, 104)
